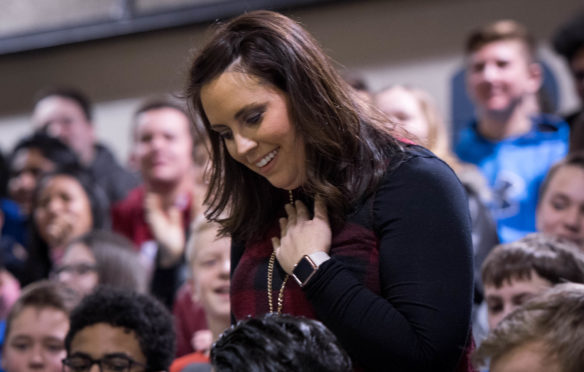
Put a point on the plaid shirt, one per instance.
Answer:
(354, 245)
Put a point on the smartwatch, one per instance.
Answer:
(307, 267)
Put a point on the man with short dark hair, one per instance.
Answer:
(119, 330)
(65, 113)
(155, 216)
(511, 142)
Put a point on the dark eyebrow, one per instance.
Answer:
(239, 115)
(117, 355)
(523, 295)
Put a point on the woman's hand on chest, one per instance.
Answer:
(300, 235)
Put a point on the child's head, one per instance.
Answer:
(209, 262)
(128, 331)
(560, 210)
(543, 335)
(501, 68)
(516, 272)
(101, 258)
(36, 327)
(416, 111)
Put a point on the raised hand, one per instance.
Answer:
(300, 235)
(59, 230)
(202, 341)
(167, 227)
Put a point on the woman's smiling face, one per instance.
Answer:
(253, 119)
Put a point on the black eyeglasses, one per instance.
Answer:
(109, 363)
(75, 269)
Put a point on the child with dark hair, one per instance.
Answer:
(36, 327)
(515, 272)
(119, 329)
(279, 343)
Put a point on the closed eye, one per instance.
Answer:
(20, 345)
(255, 118)
(495, 305)
(208, 263)
(251, 114)
(495, 308)
(55, 347)
(478, 67)
(560, 202)
(522, 298)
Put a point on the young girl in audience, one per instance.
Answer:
(66, 205)
(560, 210)
(36, 328)
(33, 156)
(101, 258)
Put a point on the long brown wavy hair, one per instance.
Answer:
(348, 144)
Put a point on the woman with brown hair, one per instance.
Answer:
(332, 216)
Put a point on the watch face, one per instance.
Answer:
(304, 271)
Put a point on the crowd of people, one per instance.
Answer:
(281, 216)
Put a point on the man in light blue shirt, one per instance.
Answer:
(510, 141)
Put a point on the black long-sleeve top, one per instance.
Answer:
(397, 291)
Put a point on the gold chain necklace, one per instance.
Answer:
(271, 274)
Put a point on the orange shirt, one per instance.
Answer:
(180, 363)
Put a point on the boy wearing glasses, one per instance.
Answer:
(120, 331)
